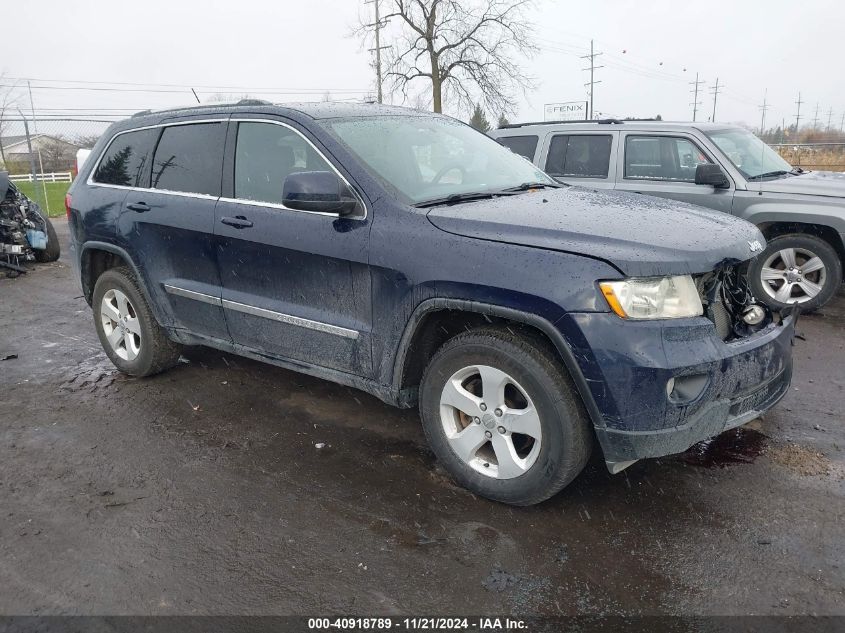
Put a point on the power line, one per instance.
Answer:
(378, 27)
(715, 93)
(798, 114)
(592, 57)
(695, 102)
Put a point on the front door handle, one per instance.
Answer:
(238, 222)
(140, 207)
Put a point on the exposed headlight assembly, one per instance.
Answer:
(653, 297)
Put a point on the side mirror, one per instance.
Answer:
(319, 191)
(709, 174)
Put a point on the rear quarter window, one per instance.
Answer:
(125, 162)
(525, 146)
(189, 158)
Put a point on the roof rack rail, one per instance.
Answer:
(141, 113)
(252, 102)
(596, 121)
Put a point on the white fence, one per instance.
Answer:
(62, 176)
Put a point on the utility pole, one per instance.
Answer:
(378, 27)
(842, 123)
(816, 118)
(592, 57)
(32, 107)
(763, 107)
(695, 102)
(715, 96)
(798, 114)
(829, 118)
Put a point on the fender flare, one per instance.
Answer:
(465, 305)
(123, 254)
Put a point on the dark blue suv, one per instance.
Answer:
(407, 255)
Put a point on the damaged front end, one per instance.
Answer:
(24, 231)
(729, 304)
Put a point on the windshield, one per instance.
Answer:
(427, 158)
(749, 154)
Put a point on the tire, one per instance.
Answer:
(535, 381)
(53, 250)
(141, 344)
(772, 282)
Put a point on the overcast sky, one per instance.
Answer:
(296, 50)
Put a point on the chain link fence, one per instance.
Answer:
(40, 154)
(813, 156)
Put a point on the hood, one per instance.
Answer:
(812, 183)
(640, 235)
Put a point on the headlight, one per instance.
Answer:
(653, 297)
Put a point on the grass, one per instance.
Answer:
(818, 159)
(55, 195)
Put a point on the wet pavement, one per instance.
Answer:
(226, 486)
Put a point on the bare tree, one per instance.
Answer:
(57, 154)
(464, 48)
(8, 101)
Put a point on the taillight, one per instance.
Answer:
(67, 205)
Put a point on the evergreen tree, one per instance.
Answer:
(478, 120)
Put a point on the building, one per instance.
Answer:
(54, 153)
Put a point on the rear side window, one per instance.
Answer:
(579, 156)
(125, 162)
(265, 155)
(189, 158)
(522, 145)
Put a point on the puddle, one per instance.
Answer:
(737, 446)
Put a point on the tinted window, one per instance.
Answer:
(582, 156)
(190, 158)
(522, 145)
(125, 161)
(662, 158)
(265, 155)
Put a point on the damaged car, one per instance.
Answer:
(407, 255)
(26, 233)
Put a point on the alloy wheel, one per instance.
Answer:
(793, 275)
(490, 422)
(120, 324)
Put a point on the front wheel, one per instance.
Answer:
(53, 250)
(796, 269)
(503, 417)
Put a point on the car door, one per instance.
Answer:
(169, 223)
(664, 165)
(581, 158)
(296, 284)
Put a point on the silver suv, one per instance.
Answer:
(801, 213)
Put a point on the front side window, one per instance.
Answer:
(265, 155)
(125, 161)
(662, 158)
(579, 155)
(525, 146)
(189, 158)
(425, 158)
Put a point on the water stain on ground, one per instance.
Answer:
(737, 446)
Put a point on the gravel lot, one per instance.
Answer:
(201, 491)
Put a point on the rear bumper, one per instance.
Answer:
(629, 372)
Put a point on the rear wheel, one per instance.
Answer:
(796, 269)
(503, 418)
(129, 334)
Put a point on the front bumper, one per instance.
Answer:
(627, 366)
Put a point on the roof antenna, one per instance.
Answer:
(195, 95)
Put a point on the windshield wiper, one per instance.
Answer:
(527, 186)
(456, 198)
(769, 174)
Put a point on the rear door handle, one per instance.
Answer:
(140, 207)
(238, 222)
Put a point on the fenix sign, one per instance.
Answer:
(568, 111)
